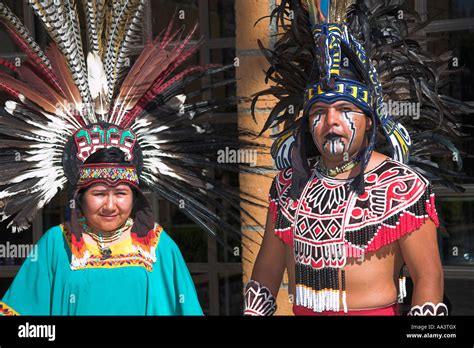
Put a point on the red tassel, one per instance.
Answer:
(386, 235)
(273, 208)
(286, 236)
(148, 241)
(431, 210)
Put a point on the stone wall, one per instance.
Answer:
(251, 79)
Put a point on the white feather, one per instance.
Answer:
(10, 106)
(176, 102)
(96, 76)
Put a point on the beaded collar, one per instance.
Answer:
(332, 172)
(101, 240)
(142, 251)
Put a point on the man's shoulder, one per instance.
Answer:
(284, 175)
(391, 169)
(281, 185)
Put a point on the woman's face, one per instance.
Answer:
(107, 208)
(338, 129)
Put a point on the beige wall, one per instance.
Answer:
(250, 76)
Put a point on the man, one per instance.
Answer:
(344, 224)
(370, 279)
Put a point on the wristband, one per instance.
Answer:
(259, 300)
(429, 309)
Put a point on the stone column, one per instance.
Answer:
(251, 79)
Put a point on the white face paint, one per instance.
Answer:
(348, 117)
(336, 134)
(334, 145)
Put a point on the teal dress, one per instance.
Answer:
(63, 276)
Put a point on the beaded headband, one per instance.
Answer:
(111, 174)
(344, 89)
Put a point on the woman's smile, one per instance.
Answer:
(108, 217)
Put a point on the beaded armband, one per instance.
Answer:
(259, 300)
(429, 309)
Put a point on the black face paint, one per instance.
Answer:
(333, 142)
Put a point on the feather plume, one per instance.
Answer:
(156, 62)
(126, 33)
(178, 149)
(60, 19)
(59, 66)
(95, 21)
(407, 73)
(22, 38)
(30, 94)
(97, 83)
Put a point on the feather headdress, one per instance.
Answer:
(67, 99)
(317, 38)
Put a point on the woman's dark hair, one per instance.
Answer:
(109, 155)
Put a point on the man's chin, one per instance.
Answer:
(334, 157)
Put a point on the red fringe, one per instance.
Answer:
(273, 208)
(78, 248)
(386, 235)
(150, 240)
(431, 210)
(406, 224)
(286, 236)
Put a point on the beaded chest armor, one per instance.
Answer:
(330, 223)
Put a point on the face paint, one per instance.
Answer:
(338, 129)
(316, 121)
(334, 144)
(349, 119)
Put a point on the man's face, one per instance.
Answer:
(338, 129)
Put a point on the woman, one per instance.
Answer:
(109, 259)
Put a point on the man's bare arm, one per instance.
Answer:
(420, 252)
(270, 263)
